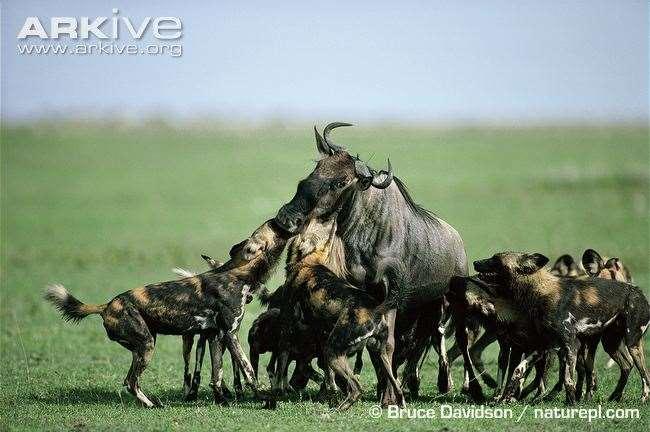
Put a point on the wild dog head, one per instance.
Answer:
(314, 241)
(255, 257)
(566, 266)
(612, 268)
(505, 267)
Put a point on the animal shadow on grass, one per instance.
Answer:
(104, 396)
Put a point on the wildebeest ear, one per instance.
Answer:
(532, 263)
(364, 176)
(564, 265)
(592, 262)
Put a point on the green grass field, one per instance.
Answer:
(104, 208)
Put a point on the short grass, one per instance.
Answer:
(104, 208)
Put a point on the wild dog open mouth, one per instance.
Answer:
(488, 277)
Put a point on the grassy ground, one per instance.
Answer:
(102, 209)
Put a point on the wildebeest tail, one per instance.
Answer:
(71, 309)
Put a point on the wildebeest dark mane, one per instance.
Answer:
(415, 207)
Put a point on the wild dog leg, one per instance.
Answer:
(476, 351)
(471, 384)
(611, 341)
(378, 366)
(538, 382)
(388, 371)
(358, 363)
(590, 373)
(557, 388)
(445, 383)
(570, 352)
(636, 351)
(240, 357)
(271, 367)
(192, 394)
(216, 344)
(502, 362)
(255, 361)
(188, 342)
(513, 389)
(134, 335)
(339, 364)
(239, 391)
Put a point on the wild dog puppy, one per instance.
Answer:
(210, 304)
(567, 309)
(343, 318)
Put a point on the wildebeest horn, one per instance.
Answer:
(325, 145)
(320, 143)
(382, 183)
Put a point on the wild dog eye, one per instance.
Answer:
(340, 184)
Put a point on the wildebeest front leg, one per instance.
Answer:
(389, 397)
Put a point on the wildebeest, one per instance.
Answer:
(392, 245)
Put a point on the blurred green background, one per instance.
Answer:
(102, 208)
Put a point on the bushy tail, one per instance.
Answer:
(71, 309)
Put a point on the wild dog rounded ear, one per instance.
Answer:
(564, 265)
(592, 262)
(236, 249)
(532, 263)
(614, 263)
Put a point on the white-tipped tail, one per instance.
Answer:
(182, 272)
(57, 294)
(71, 309)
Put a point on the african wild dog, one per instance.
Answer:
(472, 299)
(210, 304)
(499, 313)
(343, 318)
(191, 382)
(263, 337)
(568, 309)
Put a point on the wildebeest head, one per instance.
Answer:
(337, 174)
(503, 267)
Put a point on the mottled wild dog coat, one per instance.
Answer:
(342, 317)
(568, 309)
(503, 320)
(264, 336)
(209, 304)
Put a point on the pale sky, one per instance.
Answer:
(406, 60)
